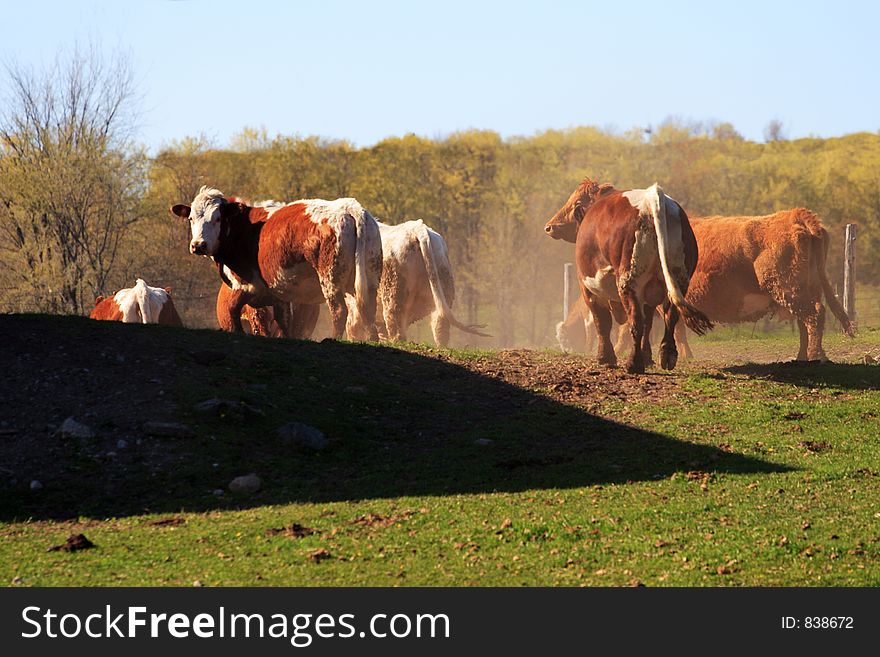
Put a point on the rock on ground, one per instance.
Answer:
(70, 428)
(302, 435)
(247, 484)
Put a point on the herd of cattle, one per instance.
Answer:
(279, 262)
(636, 251)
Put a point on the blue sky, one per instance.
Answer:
(366, 70)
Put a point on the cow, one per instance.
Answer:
(417, 281)
(304, 252)
(297, 321)
(634, 250)
(140, 304)
(751, 267)
(260, 321)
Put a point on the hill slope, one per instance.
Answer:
(453, 460)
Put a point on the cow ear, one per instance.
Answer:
(168, 290)
(99, 299)
(180, 210)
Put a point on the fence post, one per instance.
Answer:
(849, 272)
(568, 286)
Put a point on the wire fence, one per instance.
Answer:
(867, 306)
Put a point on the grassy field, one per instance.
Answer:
(443, 468)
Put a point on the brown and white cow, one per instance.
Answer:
(303, 252)
(417, 281)
(298, 321)
(634, 251)
(140, 304)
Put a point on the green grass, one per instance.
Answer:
(730, 475)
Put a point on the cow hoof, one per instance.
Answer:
(635, 367)
(668, 359)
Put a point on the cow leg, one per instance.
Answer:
(362, 313)
(358, 328)
(590, 334)
(229, 311)
(815, 327)
(636, 362)
(365, 319)
(395, 310)
(602, 319)
(802, 351)
(668, 351)
(281, 317)
(395, 325)
(624, 339)
(648, 315)
(303, 319)
(334, 279)
(681, 340)
(338, 314)
(440, 328)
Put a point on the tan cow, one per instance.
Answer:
(140, 304)
(752, 266)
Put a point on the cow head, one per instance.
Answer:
(205, 220)
(564, 224)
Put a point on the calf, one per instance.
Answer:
(297, 321)
(140, 304)
(303, 252)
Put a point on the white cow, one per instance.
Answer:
(417, 281)
(139, 304)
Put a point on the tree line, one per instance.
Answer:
(84, 211)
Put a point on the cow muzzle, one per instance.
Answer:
(198, 247)
(565, 232)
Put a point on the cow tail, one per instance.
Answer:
(695, 320)
(821, 252)
(361, 282)
(436, 287)
(145, 309)
(367, 271)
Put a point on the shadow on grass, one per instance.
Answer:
(814, 374)
(399, 424)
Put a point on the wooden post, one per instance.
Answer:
(568, 286)
(849, 272)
